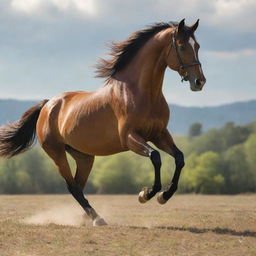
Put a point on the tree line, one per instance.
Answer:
(219, 161)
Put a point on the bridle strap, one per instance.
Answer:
(182, 65)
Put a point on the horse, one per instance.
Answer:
(126, 113)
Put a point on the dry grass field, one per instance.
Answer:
(186, 225)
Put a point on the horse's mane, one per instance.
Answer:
(123, 52)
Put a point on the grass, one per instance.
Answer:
(32, 225)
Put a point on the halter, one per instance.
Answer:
(184, 75)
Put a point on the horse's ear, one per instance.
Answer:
(181, 26)
(194, 27)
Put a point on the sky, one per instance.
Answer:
(50, 46)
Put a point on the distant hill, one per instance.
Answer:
(181, 117)
(11, 110)
(240, 113)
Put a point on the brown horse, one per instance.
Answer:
(125, 114)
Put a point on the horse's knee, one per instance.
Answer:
(179, 159)
(156, 159)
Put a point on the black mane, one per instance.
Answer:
(123, 52)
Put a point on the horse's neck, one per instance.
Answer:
(144, 74)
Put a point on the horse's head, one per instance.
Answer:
(183, 55)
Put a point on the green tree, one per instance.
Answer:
(250, 152)
(252, 127)
(237, 175)
(233, 135)
(202, 174)
(195, 129)
(209, 141)
(31, 172)
(8, 181)
(114, 174)
(219, 140)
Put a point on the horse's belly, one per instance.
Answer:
(95, 134)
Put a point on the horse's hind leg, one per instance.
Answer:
(84, 165)
(58, 154)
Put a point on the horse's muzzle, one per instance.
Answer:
(197, 84)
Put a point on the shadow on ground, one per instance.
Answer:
(221, 231)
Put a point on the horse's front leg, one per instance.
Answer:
(165, 142)
(138, 145)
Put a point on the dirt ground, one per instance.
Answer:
(32, 225)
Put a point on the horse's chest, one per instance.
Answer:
(150, 127)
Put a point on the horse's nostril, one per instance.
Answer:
(198, 82)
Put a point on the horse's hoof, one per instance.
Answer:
(99, 222)
(160, 198)
(142, 197)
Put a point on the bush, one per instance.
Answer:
(202, 174)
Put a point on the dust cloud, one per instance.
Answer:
(60, 215)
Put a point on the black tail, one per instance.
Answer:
(19, 136)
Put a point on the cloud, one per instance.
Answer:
(228, 14)
(243, 53)
(35, 7)
(48, 46)
(224, 14)
(234, 14)
(27, 6)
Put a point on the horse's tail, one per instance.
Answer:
(19, 136)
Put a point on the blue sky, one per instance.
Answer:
(50, 46)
